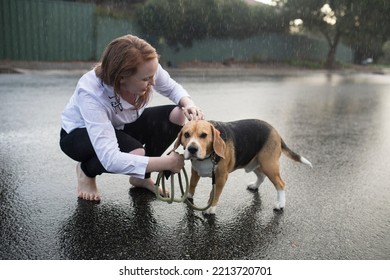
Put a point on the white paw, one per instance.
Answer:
(210, 211)
(279, 206)
(253, 186)
(281, 200)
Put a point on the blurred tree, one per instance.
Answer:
(371, 30)
(363, 24)
(175, 21)
(385, 59)
(180, 22)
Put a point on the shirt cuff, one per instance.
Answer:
(140, 168)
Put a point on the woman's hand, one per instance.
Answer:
(173, 162)
(191, 111)
(176, 162)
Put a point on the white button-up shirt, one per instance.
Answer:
(92, 106)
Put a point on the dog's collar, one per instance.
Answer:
(213, 157)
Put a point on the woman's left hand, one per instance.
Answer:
(193, 112)
(190, 110)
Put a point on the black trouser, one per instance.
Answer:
(152, 131)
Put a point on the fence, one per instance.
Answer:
(263, 47)
(65, 31)
(47, 30)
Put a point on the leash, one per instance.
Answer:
(164, 175)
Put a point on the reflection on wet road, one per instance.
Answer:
(338, 210)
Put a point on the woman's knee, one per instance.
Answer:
(177, 116)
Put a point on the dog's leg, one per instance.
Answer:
(193, 183)
(281, 196)
(219, 184)
(260, 178)
(269, 162)
(271, 170)
(281, 200)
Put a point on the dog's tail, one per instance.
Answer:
(294, 156)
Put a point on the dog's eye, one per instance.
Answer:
(186, 135)
(203, 135)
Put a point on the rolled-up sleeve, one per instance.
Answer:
(168, 87)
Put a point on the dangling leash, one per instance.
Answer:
(163, 175)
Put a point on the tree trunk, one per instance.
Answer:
(331, 58)
(332, 42)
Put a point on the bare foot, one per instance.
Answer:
(147, 184)
(86, 188)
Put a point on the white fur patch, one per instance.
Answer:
(211, 210)
(260, 179)
(281, 200)
(203, 167)
(201, 153)
(305, 161)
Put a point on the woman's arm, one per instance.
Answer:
(173, 162)
(168, 87)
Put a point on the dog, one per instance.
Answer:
(218, 148)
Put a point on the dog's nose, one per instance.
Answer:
(192, 149)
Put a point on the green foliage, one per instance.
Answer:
(176, 18)
(362, 24)
(371, 29)
(180, 22)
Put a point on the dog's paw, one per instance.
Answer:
(281, 201)
(278, 211)
(279, 206)
(210, 211)
(253, 187)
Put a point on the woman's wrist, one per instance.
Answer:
(186, 101)
(157, 164)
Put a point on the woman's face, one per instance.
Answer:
(140, 83)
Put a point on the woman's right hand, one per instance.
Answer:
(173, 162)
(176, 162)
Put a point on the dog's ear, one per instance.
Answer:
(219, 145)
(178, 141)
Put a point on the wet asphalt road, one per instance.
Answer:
(338, 210)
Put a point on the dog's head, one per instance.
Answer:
(199, 139)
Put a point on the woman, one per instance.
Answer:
(106, 126)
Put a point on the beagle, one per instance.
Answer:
(222, 147)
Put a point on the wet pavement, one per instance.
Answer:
(338, 210)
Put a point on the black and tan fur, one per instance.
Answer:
(250, 144)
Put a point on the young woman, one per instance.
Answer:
(106, 126)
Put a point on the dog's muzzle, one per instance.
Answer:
(192, 151)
